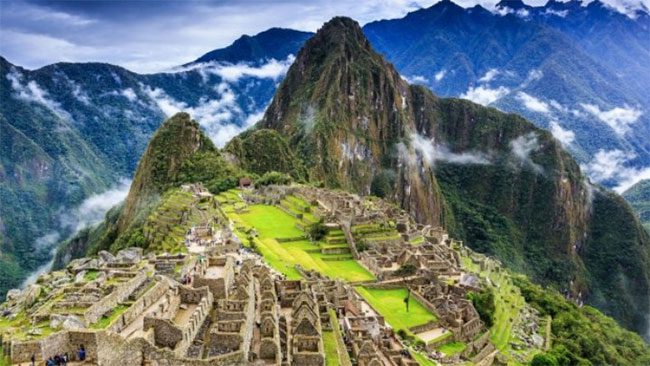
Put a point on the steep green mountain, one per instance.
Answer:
(494, 180)
(639, 197)
(179, 152)
(344, 110)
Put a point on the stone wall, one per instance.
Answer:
(166, 334)
(308, 359)
(57, 343)
(23, 351)
(191, 329)
(114, 350)
(119, 294)
(138, 307)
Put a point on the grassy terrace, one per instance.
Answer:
(331, 348)
(452, 348)
(20, 325)
(271, 223)
(508, 304)
(105, 321)
(421, 359)
(390, 304)
(164, 226)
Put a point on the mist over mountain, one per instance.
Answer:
(579, 71)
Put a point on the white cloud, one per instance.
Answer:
(32, 92)
(522, 13)
(484, 95)
(612, 167)
(222, 134)
(489, 76)
(129, 94)
(559, 107)
(416, 79)
(272, 69)
(533, 104)
(559, 13)
(566, 137)
(216, 116)
(618, 118)
(428, 152)
(93, 209)
(523, 146)
(78, 93)
(440, 75)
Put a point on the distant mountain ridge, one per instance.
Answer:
(275, 43)
(555, 70)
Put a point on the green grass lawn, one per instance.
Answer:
(421, 359)
(453, 348)
(390, 304)
(271, 223)
(331, 349)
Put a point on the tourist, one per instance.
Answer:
(33, 359)
(50, 362)
(81, 353)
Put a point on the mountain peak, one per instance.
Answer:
(276, 43)
(339, 31)
(512, 4)
(178, 138)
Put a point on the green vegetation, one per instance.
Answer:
(390, 304)
(421, 359)
(91, 275)
(639, 197)
(406, 270)
(271, 178)
(272, 223)
(317, 231)
(331, 349)
(343, 358)
(617, 257)
(503, 306)
(105, 320)
(452, 348)
(582, 336)
(483, 302)
(264, 151)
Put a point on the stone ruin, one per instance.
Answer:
(222, 305)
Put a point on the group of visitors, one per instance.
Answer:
(57, 360)
(62, 359)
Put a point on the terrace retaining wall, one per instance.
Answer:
(120, 294)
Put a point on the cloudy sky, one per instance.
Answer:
(149, 36)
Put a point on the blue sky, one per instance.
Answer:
(150, 36)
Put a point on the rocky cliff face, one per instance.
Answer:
(493, 179)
